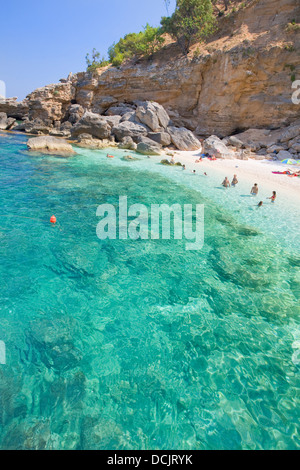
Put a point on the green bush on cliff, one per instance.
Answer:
(136, 45)
(192, 21)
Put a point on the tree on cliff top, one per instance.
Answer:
(192, 21)
(95, 61)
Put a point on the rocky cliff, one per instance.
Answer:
(241, 79)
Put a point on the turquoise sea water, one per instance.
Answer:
(123, 344)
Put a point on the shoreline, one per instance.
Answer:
(248, 171)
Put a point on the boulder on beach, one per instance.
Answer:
(214, 146)
(50, 145)
(183, 138)
(284, 155)
(234, 142)
(290, 133)
(147, 146)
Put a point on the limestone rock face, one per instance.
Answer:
(75, 113)
(51, 102)
(241, 80)
(265, 138)
(92, 124)
(13, 108)
(183, 139)
(50, 144)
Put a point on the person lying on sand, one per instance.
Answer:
(254, 190)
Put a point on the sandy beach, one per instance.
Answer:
(249, 171)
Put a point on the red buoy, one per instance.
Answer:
(53, 219)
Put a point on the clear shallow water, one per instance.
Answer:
(140, 344)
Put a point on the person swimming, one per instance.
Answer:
(260, 204)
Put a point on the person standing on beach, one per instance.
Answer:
(254, 190)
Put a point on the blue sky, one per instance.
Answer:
(42, 41)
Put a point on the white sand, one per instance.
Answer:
(249, 171)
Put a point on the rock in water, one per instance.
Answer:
(50, 145)
(5, 122)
